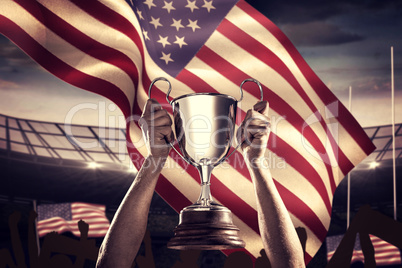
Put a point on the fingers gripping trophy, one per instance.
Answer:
(204, 126)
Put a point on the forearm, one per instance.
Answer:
(121, 243)
(278, 234)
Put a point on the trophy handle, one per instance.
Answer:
(241, 98)
(250, 80)
(163, 79)
(167, 98)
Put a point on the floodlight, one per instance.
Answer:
(374, 164)
(93, 165)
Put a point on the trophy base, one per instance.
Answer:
(205, 228)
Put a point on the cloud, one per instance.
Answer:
(318, 33)
(374, 84)
(377, 70)
(364, 81)
(8, 85)
(14, 57)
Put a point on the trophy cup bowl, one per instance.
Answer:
(204, 126)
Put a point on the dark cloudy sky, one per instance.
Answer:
(347, 43)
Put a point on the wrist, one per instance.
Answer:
(257, 162)
(253, 158)
(156, 163)
(259, 171)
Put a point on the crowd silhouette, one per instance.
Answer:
(64, 252)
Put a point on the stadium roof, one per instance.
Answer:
(108, 145)
(57, 162)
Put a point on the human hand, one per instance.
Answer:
(254, 131)
(156, 129)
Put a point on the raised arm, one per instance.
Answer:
(121, 243)
(278, 234)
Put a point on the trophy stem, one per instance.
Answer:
(205, 198)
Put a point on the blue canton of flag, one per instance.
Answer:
(174, 31)
(55, 210)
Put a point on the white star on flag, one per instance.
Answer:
(155, 22)
(193, 25)
(168, 6)
(150, 3)
(177, 24)
(180, 41)
(163, 40)
(208, 5)
(145, 33)
(166, 58)
(139, 13)
(191, 5)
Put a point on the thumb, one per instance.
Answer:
(262, 107)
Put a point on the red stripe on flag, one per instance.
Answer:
(60, 69)
(344, 117)
(164, 187)
(293, 158)
(109, 17)
(80, 40)
(300, 210)
(190, 80)
(242, 210)
(302, 166)
(255, 48)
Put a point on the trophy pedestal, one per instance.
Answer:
(205, 228)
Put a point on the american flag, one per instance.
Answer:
(384, 252)
(64, 217)
(115, 48)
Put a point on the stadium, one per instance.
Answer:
(50, 163)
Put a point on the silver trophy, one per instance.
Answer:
(204, 127)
